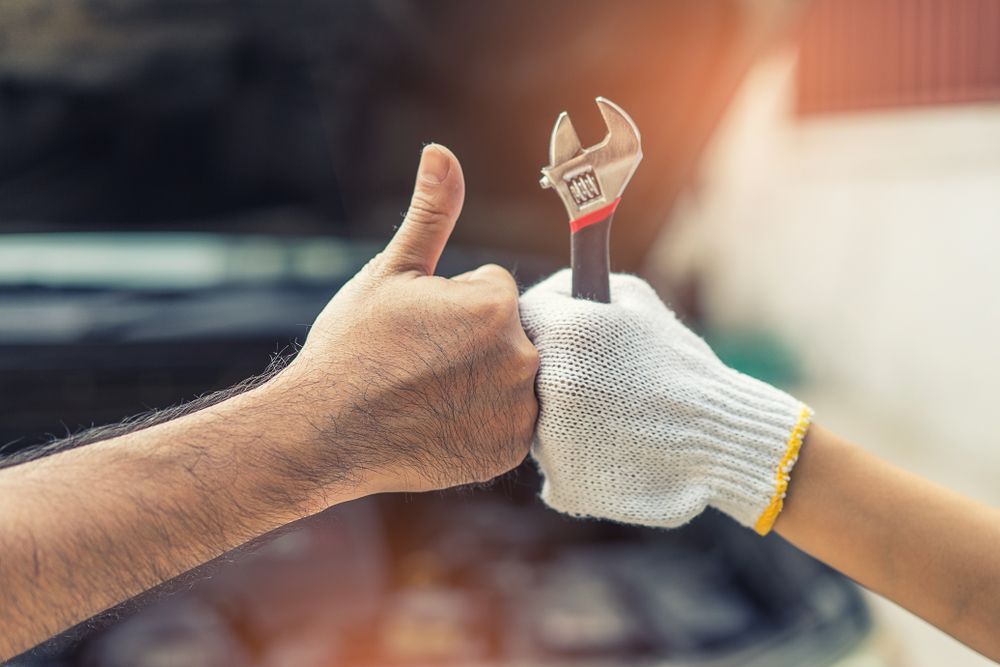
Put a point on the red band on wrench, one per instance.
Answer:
(594, 216)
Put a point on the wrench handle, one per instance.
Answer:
(589, 254)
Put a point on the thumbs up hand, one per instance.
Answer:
(409, 381)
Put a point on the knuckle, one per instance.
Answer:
(484, 475)
(501, 276)
(526, 360)
(494, 308)
(494, 269)
(376, 266)
(530, 357)
(525, 436)
(530, 418)
(525, 413)
(424, 209)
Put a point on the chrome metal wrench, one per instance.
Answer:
(590, 182)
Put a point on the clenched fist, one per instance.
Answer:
(410, 381)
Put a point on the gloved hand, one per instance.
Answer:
(641, 423)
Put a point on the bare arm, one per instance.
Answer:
(86, 528)
(407, 382)
(928, 549)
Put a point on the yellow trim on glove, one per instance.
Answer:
(781, 475)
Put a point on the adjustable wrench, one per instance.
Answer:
(590, 182)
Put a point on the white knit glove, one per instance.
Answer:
(641, 423)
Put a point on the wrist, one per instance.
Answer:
(288, 451)
(822, 457)
(761, 430)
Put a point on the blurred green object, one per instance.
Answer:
(758, 354)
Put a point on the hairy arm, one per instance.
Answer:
(86, 528)
(407, 382)
(924, 547)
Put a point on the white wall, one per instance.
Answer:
(870, 242)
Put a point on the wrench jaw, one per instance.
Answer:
(587, 179)
(565, 144)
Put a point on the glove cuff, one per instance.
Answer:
(757, 435)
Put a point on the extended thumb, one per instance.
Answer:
(436, 204)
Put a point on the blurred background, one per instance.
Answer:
(183, 184)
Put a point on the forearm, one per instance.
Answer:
(407, 382)
(640, 422)
(928, 549)
(85, 529)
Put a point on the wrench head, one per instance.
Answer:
(588, 178)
